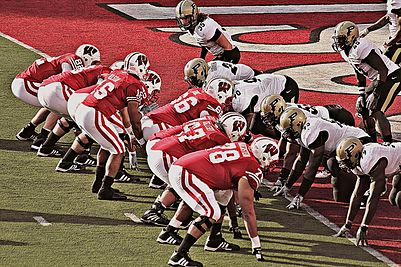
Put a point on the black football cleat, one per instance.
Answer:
(26, 134)
(110, 194)
(169, 237)
(219, 244)
(154, 217)
(183, 259)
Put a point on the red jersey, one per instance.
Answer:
(221, 167)
(196, 135)
(115, 92)
(77, 79)
(43, 68)
(186, 107)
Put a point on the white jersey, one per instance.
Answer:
(336, 132)
(359, 51)
(256, 88)
(393, 25)
(373, 152)
(204, 32)
(229, 71)
(311, 111)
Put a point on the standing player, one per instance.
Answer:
(171, 144)
(54, 93)
(392, 18)
(317, 137)
(198, 72)
(369, 61)
(196, 177)
(372, 163)
(98, 116)
(26, 84)
(207, 32)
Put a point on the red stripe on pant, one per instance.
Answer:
(99, 122)
(116, 122)
(28, 89)
(67, 91)
(209, 207)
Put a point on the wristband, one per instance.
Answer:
(361, 91)
(255, 242)
(129, 130)
(348, 224)
(141, 141)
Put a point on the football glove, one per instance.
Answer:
(295, 203)
(344, 231)
(360, 104)
(277, 186)
(364, 33)
(149, 108)
(371, 101)
(362, 236)
(257, 195)
(133, 161)
(236, 232)
(258, 253)
(282, 191)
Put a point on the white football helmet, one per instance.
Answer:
(153, 83)
(138, 64)
(90, 54)
(265, 151)
(345, 34)
(234, 125)
(118, 65)
(221, 90)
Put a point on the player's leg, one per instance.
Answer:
(50, 122)
(343, 182)
(395, 193)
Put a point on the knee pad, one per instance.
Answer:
(171, 190)
(82, 143)
(62, 126)
(203, 221)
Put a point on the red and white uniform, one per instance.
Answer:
(193, 104)
(173, 143)
(55, 91)
(98, 114)
(26, 84)
(197, 175)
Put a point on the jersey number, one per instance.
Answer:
(102, 91)
(231, 67)
(226, 154)
(198, 132)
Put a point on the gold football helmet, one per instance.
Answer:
(195, 72)
(186, 13)
(271, 108)
(344, 36)
(291, 122)
(348, 152)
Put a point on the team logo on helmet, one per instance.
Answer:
(238, 125)
(224, 87)
(90, 50)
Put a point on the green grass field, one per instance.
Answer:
(86, 231)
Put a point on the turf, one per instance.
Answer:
(86, 231)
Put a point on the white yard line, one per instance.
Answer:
(30, 48)
(335, 228)
(42, 221)
(133, 217)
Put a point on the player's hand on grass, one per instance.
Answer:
(344, 231)
(362, 236)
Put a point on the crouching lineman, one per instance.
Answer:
(196, 177)
(98, 116)
(317, 137)
(26, 84)
(176, 142)
(372, 163)
(270, 111)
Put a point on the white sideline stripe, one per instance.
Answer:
(42, 221)
(133, 217)
(335, 228)
(30, 48)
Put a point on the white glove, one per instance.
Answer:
(344, 231)
(295, 203)
(364, 33)
(277, 186)
(149, 108)
(133, 161)
(283, 191)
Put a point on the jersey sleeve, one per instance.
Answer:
(134, 93)
(244, 72)
(368, 160)
(364, 49)
(254, 177)
(168, 132)
(309, 133)
(205, 30)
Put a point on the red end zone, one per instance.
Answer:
(62, 27)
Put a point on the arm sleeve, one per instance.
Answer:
(169, 132)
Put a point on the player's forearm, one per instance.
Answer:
(383, 21)
(355, 202)
(314, 163)
(373, 200)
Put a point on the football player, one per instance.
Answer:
(26, 84)
(392, 18)
(197, 72)
(54, 93)
(207, 32)
(197, 176)
(269, 118)
(171, 144)
(99, 118)
(368, 61)
(372, 163)
(317, 137)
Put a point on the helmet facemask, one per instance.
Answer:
(90, 54)
(186, 14)
(234, 125)
(266, 152)
(348, 153)
(344, 36)
(195, 72)
(153, 83)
